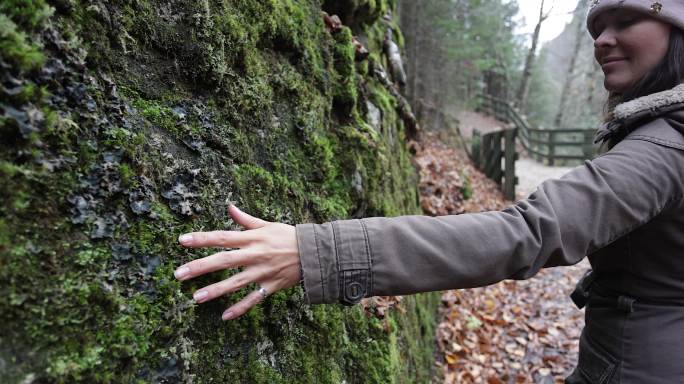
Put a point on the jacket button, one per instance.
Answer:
(354, 292)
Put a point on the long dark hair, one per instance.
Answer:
(666, 75)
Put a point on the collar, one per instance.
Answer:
(646, 107)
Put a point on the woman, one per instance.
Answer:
(624, 210)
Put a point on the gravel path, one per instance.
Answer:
(470, 120)
(531, 173)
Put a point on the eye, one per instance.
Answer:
(627, 22)
(599, 27)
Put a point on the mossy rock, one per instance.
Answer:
(126, 123)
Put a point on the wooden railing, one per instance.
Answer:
(489, 150)
(545, 145)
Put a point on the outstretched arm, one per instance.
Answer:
(346, 260)
(559, 224)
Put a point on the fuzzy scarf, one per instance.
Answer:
(628, 114)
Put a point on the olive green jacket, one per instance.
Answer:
(623, 209)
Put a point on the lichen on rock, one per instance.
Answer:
(127, 123)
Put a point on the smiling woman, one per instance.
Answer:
(640, 52)
(628, 45)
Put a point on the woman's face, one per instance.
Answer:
(629, 44)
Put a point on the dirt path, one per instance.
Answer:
(514, 331)
(531, 173)
(470, 121)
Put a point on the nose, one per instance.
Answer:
(605, 39)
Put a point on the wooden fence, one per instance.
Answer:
(489, 150)
(545, 145)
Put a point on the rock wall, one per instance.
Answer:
(125, 123)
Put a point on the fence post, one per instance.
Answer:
(494, 170)
(538, 146)
(475, 148)
(485, 152)
(588, 145)
(552, 147)
(510, 157)
(499, 104)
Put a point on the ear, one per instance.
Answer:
(245, 220)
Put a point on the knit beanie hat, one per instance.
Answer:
(669, 11)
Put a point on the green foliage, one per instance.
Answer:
(467, 188)
(345, 93)
(459, 48)
(18, 18)
(15, 48)
(29, 14)
(484, 34)
(540, 108)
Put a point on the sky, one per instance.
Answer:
(553, 26)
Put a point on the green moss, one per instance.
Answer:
(18, 19)
(15, 48)
(345, 89)
(249, 101)
(4, 236)
(8, 169)
(30, 14)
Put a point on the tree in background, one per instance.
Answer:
(456, 49)
(570, 77)
(524, 88)
(582, 87)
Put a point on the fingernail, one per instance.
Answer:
(180, 272)
(185, 239)
(199, 295)
(227, 315)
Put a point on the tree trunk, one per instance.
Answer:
(524, 87)
(565, 92)
(127, 123)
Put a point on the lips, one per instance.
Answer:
(612, 59)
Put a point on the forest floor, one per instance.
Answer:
(514, 331)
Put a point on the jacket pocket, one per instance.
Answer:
(594, 365)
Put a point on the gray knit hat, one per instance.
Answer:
(670, 11)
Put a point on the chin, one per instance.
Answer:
(614, 86)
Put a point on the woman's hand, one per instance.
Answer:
(268, 251)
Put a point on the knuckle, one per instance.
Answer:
(259, 257)
(223, 236)
(217, 290)
(196, 266)
(240, 310)
(224, 260)
(253, 301)
(240, 280)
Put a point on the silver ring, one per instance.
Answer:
(263, 292)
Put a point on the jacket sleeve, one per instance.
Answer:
(561, 222)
